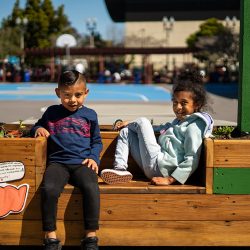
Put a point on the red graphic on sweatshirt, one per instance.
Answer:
(70, 125)
(12, 199)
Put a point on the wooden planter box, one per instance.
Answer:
(227, 166)
(216, 212)
(31, 152)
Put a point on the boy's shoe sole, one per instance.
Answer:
(111, 176)
(89, 243)
(52, 244)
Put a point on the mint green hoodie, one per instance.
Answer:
(181, 143)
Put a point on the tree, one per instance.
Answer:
(7, 47)
(9, 36)
(213, 42)
(37, 30)
(44, 23)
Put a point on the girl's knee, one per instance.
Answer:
(143, 122)
(123, 133)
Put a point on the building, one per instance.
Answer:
(168, 23)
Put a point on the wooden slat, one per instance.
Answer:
(175, 233)
(106, 127)
(18, 149)
(41, 159)
(147, 207)
(109, 134)
(144, 187)
(134, 233)
(209, 152)
(40, 152)
(141, 187)
(21, 232)
(176, 189)
(209, 180)
(231, 153)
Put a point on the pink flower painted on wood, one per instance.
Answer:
(12, 199)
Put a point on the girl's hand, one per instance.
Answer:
(42, 132)
(163, 181)
(120, 124)
(90, 163)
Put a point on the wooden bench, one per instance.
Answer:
(133, 214)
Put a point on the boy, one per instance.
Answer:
(74, 146)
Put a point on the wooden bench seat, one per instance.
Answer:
(142, 187)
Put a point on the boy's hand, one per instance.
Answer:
(90, 163)
(42, 132)
(163, 181)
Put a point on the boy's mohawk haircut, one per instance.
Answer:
(68, 77)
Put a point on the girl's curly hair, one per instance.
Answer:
(192, 81)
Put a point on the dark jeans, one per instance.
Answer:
(56, 176)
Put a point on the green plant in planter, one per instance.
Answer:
(2, 130)
(223, 132)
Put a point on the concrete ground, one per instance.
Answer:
(223, 110)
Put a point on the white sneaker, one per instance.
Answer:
(111, 176)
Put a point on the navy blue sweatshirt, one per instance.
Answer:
(74, 136)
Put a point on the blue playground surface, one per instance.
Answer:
(228, 90)
(98, 92)
(101, 92)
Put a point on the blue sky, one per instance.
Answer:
(78, 11)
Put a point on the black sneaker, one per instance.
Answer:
(51, 244)
(89, 243)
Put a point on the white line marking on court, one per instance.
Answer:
(162, 89)
(143, 97)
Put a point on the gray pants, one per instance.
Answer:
(138, 138)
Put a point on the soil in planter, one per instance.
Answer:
(20, 131)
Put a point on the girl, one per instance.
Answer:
(176, 155)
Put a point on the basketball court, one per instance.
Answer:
(28, 101)
(98, 92)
